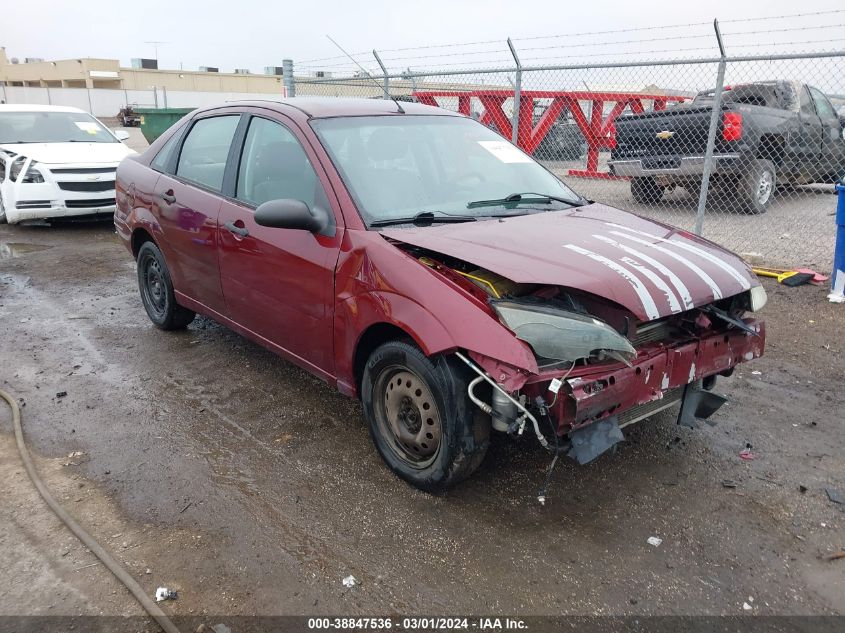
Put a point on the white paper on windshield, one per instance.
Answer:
(88, 126)
(504, 151)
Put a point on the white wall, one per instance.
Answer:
(106, 103)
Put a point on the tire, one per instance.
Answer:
(756, 188)
(420, 417)
(157, 291)
(646, 190)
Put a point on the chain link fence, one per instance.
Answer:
(743, 150)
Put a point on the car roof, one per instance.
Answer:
(326, 107)
(36, 107)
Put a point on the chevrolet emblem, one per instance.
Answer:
(665, 134)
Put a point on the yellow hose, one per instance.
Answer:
(113, 566)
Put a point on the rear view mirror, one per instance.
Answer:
(121, 135)
(291, 214)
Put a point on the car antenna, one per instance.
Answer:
(364, 70)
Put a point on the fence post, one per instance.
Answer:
(837, 286)
(287, 78)
(517, 95)
(383, 72)
(711, 133)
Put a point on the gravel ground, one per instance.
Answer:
(253, 488)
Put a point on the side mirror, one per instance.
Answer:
(121, 135)
(288, 213)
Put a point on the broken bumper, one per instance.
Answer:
(656, 380)
(67, 190)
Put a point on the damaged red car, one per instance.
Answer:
(414, 259)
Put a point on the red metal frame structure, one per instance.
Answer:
(598, 130)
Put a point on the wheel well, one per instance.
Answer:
(139, 236)
(375, 335)
(771, 148)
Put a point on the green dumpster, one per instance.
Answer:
(154, 121)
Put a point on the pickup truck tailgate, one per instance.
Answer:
(681, 131)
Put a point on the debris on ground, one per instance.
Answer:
(72, 456)
(728, 483)
(163, 593)
(746, 454)
(349, 581)
(792, 277)
(835, 495)
(221, 628)
(654, 541)
(756, 373)
(802, 489)
(836, 555)
(61, 394)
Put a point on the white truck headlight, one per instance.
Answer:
(562, 335)
(757, 298)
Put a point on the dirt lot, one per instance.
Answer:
(253, 488)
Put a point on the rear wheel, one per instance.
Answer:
(157, 291)
(646, 190)
(756, 188)
(420, 418)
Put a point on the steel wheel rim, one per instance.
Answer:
(764, 187)
(407, 416)
(155, 291)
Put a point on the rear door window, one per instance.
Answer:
(205, 150)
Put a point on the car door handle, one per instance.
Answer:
(237, 230)
(168, 197)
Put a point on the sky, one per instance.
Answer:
(253, 33)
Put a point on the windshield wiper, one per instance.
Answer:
(521, 198)
(426, 218)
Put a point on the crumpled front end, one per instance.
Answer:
(597, 364)
(30, 190)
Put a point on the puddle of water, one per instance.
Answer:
(8, 250)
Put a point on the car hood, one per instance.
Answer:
(651, 269)
(63, 153)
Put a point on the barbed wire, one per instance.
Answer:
(593, 33)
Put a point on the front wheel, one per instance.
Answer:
(157, 291)
(420, 417)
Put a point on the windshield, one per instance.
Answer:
(399, 166)
(52, 127)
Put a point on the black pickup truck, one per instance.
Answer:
(770, 133)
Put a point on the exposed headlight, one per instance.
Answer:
(563, 335)
(757, 296)
(31, 175)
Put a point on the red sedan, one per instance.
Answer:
(414, 259)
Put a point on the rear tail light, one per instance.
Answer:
(732, 126)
